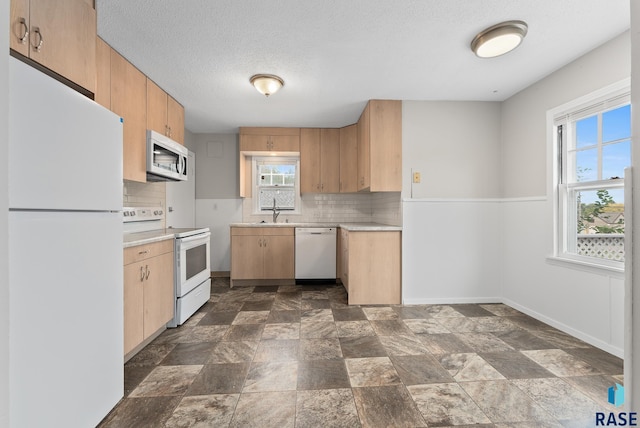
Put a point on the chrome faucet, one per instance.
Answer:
(276, 213)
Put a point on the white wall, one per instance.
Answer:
(451, 220)
(587, 304)
(4, 222)
(454, 145)
(451, 251)
(217, 201)
(479, 226)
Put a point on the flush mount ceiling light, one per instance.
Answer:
(266, 84)
(499, 39)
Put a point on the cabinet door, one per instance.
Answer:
(279, 257)
(175, 120)
(133, 304)
(310, 160)
(103, 73)
(246, 257)
(158, 293)
(156, 108)
(67, 29)
(19, 26)
(285, 143)
(363, 150)
(254, 143)
(330, 160)
(349, 159)
(385, 146)
(129, 100)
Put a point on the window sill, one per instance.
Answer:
(588, 266)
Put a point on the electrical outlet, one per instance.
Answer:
(416, 177)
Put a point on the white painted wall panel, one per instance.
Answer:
(216, 214)
(451, 251)
(580, 302)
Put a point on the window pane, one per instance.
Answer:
(587, 165)
(284, 198)
(601, 223)
(616, 124)
(615, 158)
(587, 132)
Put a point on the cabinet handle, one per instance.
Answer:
(322, 186)
(265, 242)
(148, 272)
(143, 252)
(25, 35)
(40, 39)
(318, 186)
(259, 242)
(141, 274)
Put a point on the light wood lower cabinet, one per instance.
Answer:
(148, 291)
(370, 266)
(262, 253)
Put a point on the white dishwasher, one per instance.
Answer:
(315, 254)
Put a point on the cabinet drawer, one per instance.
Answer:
(142, 252)
(277, 231)
(262, 231)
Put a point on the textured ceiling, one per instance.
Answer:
(334, 55)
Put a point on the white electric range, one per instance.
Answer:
(192, 250)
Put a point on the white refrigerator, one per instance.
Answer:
(65, 254)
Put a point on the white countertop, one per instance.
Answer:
(140, 238)
(353, 227)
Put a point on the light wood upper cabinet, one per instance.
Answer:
(319, 160)
(262, 253)
(349, 159)
(103, 73)
(175, 119)
(310, 160)
(61, 37)
(164, 114)
(129, 101)
(380, 147)
(269, 139)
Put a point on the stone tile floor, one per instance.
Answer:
(299, 356)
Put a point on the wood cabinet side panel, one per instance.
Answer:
(68, 29)
(330, 160)
(159, 292)
(386, 145)
(349, 159)
(103, 73)
(374, 263)
(310, 160)
(363, 149)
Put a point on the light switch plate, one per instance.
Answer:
(416, 177)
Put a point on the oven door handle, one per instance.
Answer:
(195, 237)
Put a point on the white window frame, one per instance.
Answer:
(607, 98)
(255, 162)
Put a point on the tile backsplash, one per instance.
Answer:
(136, 194)
(382, 208)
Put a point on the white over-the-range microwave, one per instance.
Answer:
(166, 159)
